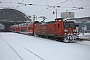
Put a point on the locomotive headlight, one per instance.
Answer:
(65, 33)
(74, 33)
(65, 30)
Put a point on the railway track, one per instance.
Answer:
(23, 47)
(12, 48)
(31, 43)
(60, 41)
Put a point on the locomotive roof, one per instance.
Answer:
(59, 18)
(50, 22)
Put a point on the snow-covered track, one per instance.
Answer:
(21, 46)
(12, 48)
(36, 48)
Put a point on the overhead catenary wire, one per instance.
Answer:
(19, 3)
(78, 8)
(72, 3)
(34, 5)
(50, 7)
(44, 11)
(81, 3)
(40, 11)
(65, 7)
(61, 2)
(39, 5)
(38, 2)
(22, 1)
(10, 3)
(46, 2)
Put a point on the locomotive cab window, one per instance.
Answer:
(69, 25)
(72, 25)
(66, 24)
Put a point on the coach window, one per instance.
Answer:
(30, 28)
(58, 25)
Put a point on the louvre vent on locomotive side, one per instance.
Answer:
(59, 29)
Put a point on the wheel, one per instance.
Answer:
(60, 39)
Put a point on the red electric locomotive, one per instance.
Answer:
(58, 29)
(63, 30)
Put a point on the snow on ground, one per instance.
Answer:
(84, 36)
(14, 46)
(84, 42)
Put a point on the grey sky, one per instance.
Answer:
(41, 8)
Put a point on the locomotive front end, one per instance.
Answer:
(70, 33)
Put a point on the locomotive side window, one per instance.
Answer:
(58, 25)
(30, 28)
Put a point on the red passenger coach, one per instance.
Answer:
(11, 28)
(31, 28)
(27, 28)
(23, 28)
(62, 30)
(17, 28)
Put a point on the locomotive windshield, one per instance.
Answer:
(69, 25)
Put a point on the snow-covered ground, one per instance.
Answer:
(14, 46)
(84, 36)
